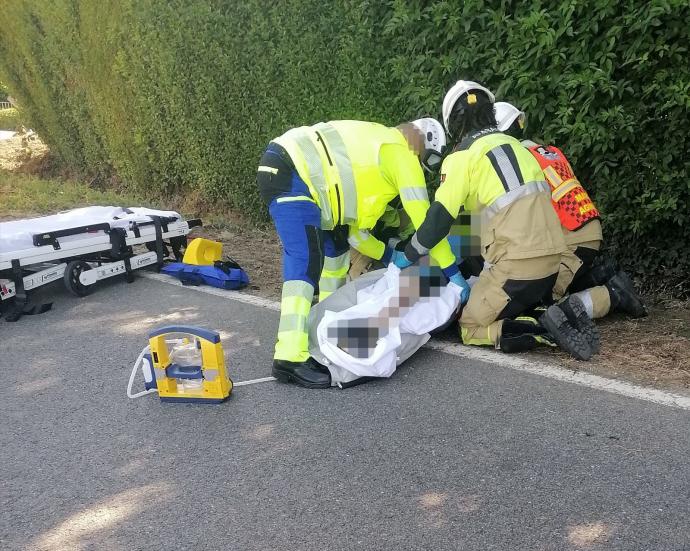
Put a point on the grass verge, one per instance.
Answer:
(25, 195)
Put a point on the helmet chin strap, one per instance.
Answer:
(458, 134)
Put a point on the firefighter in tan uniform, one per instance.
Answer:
(491, 174)
(600, 287)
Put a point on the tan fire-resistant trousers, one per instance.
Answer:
(596, 300)
(479, 323)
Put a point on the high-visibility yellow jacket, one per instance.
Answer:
(493, 173)
(353, 169)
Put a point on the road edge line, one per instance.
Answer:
(516, 363)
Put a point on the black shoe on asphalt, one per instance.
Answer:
(577, 316)
(309, 374)
(556, 322)
(624, 297)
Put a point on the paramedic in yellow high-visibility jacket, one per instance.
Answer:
(326, 186)
(491, 174)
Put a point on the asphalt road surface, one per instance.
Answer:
(447, 454)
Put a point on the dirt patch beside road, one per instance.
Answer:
(257, 250)
(653, 351)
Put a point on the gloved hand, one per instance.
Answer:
(464, 287)
(400, 260)
(393, 242)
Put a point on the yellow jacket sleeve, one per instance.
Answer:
(404, 170)
(450, 197)
(366, 243)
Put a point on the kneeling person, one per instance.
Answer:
(491, 173)
(599, 286)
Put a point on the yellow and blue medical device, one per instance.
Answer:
(186, 364)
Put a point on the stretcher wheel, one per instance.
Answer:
(71, 278)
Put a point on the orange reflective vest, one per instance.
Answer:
(569, 198)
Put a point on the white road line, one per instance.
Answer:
(254, 381)
(517, 363)
(581, 378)
(231, 295)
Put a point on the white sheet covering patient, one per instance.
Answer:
(374, 323)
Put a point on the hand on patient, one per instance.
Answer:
(400, 260)
(464, 287)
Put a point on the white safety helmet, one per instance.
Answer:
(434, 142)
(507, 114)
(459, 89)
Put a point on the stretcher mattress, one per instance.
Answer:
(17, 236)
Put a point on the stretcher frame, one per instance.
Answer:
(107, 253)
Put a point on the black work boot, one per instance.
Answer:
(556, 322)
(522, 334)
(604, 268)
(624, 298)
(309, 374)
(577, 316)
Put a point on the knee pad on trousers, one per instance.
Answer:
(517, 343)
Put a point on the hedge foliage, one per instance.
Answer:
(182, 96)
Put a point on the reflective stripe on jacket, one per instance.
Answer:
(492, 173)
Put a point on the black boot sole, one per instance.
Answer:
(566, 336)
(287, 376)
(583, 323)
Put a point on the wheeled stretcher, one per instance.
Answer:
(83, 246)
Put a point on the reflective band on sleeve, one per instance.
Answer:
(357, 238)
(295, 198)
(512, 196)
(414, 194)
(552, 177)
(338, 151)
(270, 169)
(311, 155)
(421, 249)
(564, 188)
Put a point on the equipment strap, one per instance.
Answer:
(159, 241)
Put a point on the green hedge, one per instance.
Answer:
(182, 96)
(607, 81)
